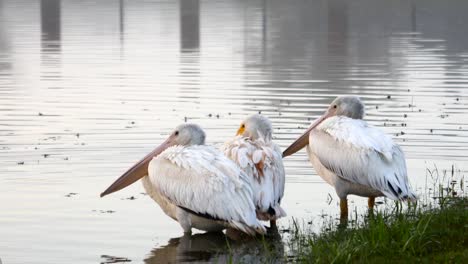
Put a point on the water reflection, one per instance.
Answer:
(132, 70)
(50, 24)
(217, 247)
(4, 45)
(121, 21)
(50, 40)
(338, 30)
(189, 25)
(189, 66)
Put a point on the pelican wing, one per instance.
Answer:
(262, 162)
(361, 154)
(202, 181)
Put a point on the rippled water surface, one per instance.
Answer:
(89, 87)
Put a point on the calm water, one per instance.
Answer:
(89, 87)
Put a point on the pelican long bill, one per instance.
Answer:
(303, 140)
(137, 171)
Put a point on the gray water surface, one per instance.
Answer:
(87, 88)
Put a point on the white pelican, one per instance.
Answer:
(353, 156)
(260, 158)
(195, 184)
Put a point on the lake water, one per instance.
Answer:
(89, 87)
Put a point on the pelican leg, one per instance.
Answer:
(184, 220)
(344, 208)
(233, 234)
(273, 224)
(237, 235)
(343, 213)
(371, 203)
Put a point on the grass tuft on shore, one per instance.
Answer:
(433, 230)
(430, 235)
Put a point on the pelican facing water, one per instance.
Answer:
(195, 184)
(260, 158)
(353, 156)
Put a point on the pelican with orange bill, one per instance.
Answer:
(255, 152)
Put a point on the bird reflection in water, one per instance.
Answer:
(219, 248)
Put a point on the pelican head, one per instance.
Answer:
(188, 134)
(256, 126)
(184, 135)
(349, 106)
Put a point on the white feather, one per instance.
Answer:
(361, 154)
(203, 180)
(262, 162)
(257, 156)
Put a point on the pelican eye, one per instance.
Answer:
(176, 133)
(335, 106)
(243, 126)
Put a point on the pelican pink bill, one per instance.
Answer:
(353, 156)
(195, 184)
(198, 186)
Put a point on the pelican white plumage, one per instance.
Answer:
(353, 156)
(260, 158)
(195, 184)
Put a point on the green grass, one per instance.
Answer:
(436, 235)
(433, 230)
